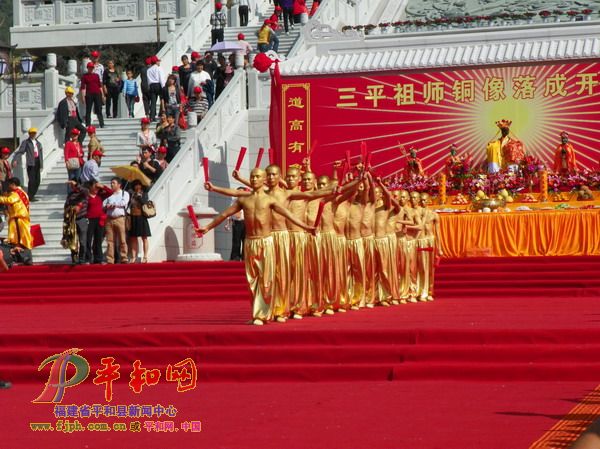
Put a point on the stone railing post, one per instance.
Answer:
(58, 11)
(234, 15)
(99, 8)
(183, 8)
(123, 112)
(142, 10)
(253, 88)
(50, 86)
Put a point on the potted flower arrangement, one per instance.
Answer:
(572, 15)
(346, 28)
(557, 13)
(545, 15)
(469, 20)
(398, 26)
(587, 14)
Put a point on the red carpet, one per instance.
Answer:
(516, 350)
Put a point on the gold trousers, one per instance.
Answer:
(328, 269)
(19, 232)
(342, 274)
(356, 280)
(369, 243)
(297, 273)
(281, 290)
(410, 259)
(425, 267)
(394, 267)
(260, 271)
(312, 275)
(383, 269)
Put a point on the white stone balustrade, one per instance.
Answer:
(39, 24)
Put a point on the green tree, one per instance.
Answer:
(5, 20)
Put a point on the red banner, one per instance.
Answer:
(431, 110)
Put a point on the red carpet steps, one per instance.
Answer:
(493, 320)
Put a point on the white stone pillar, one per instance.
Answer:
(122, 110)
(142, 10)
(253, 88)
(58, 11)
(194, 247)
(25, 124)
(171, 27)
(234, 15)
(72, 67)
(99, 8)
(183, 8)
(17, 6)
(50, 86)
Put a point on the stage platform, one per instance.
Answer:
(508, 344)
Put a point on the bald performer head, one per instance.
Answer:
(273, 175)
(323, 182)
(257, 178)
(292, 177)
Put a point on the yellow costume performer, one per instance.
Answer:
(356, 280)
(327, 243)
(369, 254)
(260, 272)
(384, 269)
(281, 299)
(298, 300)
(19, 232)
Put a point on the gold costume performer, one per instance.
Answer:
(356, 279)
(260, 273)
(428, 249)
(258, 248)
(327, 242)
(281, 300)
(413, 233)
(17, 201)
(366, 230)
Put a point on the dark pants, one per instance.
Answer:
(112, 99)
(130, 99)
(154, 96)
(217, 36)
(33, 173)
(172, 150)
(243, 11)
(238, 234)
(146, 101)
(288, 18)
(82, 229)
(73, 122)
(95, 234)
(94, 100)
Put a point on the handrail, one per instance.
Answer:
(173, 189)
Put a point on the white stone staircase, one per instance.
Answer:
(119, 140)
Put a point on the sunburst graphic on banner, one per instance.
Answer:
(461, 107)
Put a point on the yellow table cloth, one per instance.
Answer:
(539, 233)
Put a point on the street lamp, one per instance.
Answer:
(25, 62)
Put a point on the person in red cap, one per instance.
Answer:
(199, 103)
(91, 91)
(161, 155)
(94, 144)
(5, 169)
(146, 137)
(246, 47)
(195, 57)
(98, 67)
(218, 21)
(156, 82)
(244, 9)
(145, 87)
(276, 18)
(73, 153)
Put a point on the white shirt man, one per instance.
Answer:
(115, 207)
(156, 75)
(197, 78)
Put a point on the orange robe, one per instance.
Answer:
(565, 161)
